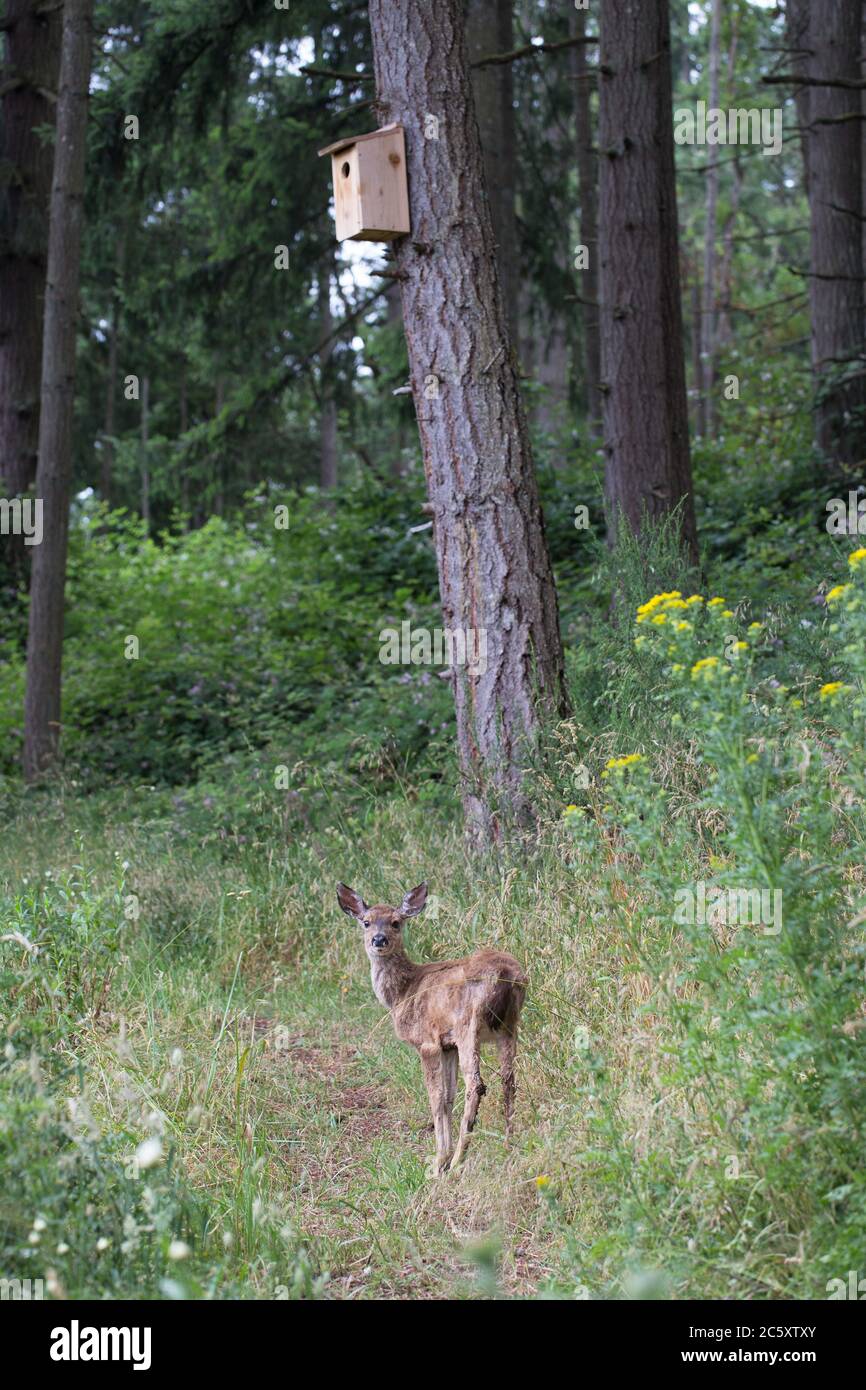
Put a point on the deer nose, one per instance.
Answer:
(380, 939)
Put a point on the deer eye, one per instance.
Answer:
(396, 923)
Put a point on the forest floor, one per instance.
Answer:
(236, 1023)
(213, 997)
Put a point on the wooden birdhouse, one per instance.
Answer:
(371, 196)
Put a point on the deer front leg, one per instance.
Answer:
(432, 1062)
(470, 1065)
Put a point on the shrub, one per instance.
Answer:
(744, 912)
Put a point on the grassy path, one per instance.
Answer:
(201, 1098)
(221, 1010)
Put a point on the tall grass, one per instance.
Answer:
(200, 1096)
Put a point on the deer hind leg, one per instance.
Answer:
(507, 1044)
(435, 1074)
(469, 1053)
(449, 1072)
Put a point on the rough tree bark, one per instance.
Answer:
(490, 29)
(648, 467)
(32, 33)
(54, 467)
(835, 195)
(587, 179)
(494, 569)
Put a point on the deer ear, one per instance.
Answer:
(414, 901)
(351, 902)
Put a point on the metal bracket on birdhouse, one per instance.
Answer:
(371, 193)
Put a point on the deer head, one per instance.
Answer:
(382, 924)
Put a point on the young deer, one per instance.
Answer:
(446, 1009)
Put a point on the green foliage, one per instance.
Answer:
(692, 1112)
(242, 637)
(745, 913)
(98, 1213)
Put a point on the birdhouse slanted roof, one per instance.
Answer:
(356, 139)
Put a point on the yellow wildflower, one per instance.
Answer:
(650, 606)
(715, 602)
(706, 665)
(856, 558)
(837, 592)
(617, 764)
(668, 600)
(831, 688)
(542, 1181)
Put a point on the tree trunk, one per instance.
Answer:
(32, 65)
(552, 366)
(797, 39)
(835, 194)
(490, 29)
(550, 360)
(54, 468)
(494, 570)
(587, 178)
(693, 289)
(708, 300)
(724, 322)
(648, 469)
(328, 420)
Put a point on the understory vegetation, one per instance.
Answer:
(200, 1096)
